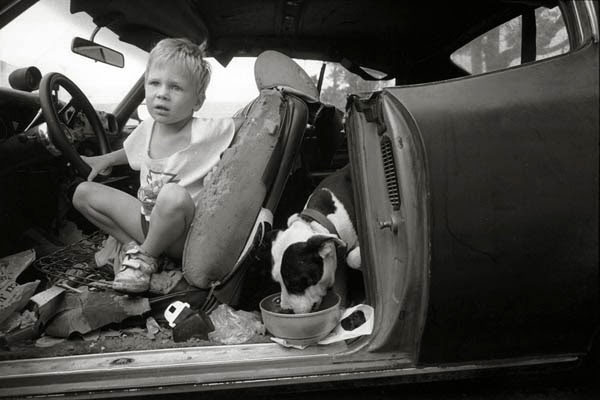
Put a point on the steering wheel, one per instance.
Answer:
(60, 122)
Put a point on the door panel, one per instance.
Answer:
(513, 171)
(391, 189)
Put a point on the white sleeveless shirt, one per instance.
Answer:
(186, 167)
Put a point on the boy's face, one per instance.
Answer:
(170, 94)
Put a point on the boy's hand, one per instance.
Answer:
(99, 164)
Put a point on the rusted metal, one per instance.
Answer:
(14, 296)
(74, 264)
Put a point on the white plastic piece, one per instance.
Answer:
(173, 311)
(339, 333)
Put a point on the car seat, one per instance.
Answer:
(242, 192)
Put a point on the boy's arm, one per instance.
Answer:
(101, 164)
(117, 157)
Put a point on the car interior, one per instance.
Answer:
(303, 142)
(307, 142)
(468, 129)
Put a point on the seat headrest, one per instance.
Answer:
(273, 69)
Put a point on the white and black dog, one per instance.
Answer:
(304, 255)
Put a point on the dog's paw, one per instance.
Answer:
(353, 258)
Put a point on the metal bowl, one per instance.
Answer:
(301, 329)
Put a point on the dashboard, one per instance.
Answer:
(23, 133)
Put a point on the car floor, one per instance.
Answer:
(110, 321)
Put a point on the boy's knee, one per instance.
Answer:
(83, 194)
(173, 197)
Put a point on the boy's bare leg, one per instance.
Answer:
(171, 218)
(118, 214)
(114, 211)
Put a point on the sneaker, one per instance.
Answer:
(136, 270)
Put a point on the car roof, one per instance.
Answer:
(387, 35)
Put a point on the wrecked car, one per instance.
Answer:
(471, 132)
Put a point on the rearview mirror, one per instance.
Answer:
(97, 52)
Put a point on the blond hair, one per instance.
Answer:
(188, 55)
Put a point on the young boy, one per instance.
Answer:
(173, 152)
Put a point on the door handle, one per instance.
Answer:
(391, 224)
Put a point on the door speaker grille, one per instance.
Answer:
(389, 168)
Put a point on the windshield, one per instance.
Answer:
(232, 87)
(41, 37)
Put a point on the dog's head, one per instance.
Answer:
(304, 265)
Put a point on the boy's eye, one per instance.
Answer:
(153, 83)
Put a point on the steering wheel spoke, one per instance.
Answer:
(62, 113)
(61, 118)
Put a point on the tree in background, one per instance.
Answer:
(338, 83)
(501, 47)
(551, 36)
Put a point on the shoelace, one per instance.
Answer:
(137, 259)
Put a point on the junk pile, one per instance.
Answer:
(68, 295)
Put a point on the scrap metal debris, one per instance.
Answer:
(48, 341)
(152, 328)
(74, 265)
(19, 327)
(77, 300)
(46, 302)
(88, 311)
(14, 296)
(18, 321)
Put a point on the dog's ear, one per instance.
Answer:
(269, 236)
(319, 243)
(318, 240)
(293, 218)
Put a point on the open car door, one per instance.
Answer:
(480, 199)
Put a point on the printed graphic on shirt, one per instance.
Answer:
(148, 193)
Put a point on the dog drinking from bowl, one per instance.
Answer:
(305, 254)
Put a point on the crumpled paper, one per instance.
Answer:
(234, 327)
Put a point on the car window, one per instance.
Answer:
(501, 47)
(339, 83)
(233, 87)
(47, 46)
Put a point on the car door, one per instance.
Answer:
(501, 172)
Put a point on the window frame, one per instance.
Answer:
(579, 30)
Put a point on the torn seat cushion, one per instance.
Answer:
(247, 176)
(233, 195)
